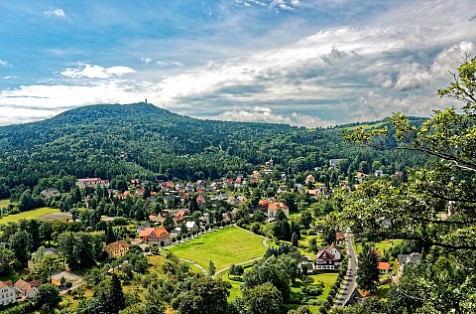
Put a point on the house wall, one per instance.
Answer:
(7, 295)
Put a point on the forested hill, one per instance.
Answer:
(143, 140)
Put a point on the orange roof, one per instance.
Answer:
(159, 232)
(6, 283)
(263, 203)
(180, 213)
(23, 285)
(383, 266)
(340, 236)
(277, 205)
(117, 245)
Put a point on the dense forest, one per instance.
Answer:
(141, 140)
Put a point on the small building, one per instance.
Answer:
(50, 192)
(334, 162)
(26, 289)
(383, 267)
(92, 182)
(7, 293)
(191, 225)
(117, 249)
(328, 258)
(340, 238)
(405, 260)
(273, 209)
(153, 235)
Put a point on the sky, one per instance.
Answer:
(312, 63)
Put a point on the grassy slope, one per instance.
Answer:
(4, 203)
(223, 247)
(31, 214)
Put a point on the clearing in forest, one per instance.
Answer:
(224, 247)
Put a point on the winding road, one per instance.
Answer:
(349, 283)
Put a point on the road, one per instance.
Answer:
(349, 283)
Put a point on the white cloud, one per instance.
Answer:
(413, 75)
(95, 71)
(4, 63)
(55, 12)
(266, 115)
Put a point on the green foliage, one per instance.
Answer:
(263, 299)
(47, 297)
(80, 249)
(211, 268)
(206, 296)
(367, 271)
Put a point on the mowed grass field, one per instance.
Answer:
(31, 214)
(223, 247)
(4, 202)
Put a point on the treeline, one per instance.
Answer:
(141, 140)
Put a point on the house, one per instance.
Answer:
(405, 260)
(153, 235)
(117, 249)
(378, 173)
(383, 267)
(335, 251)
(7, 293)
(26, 289)
(179, 216)
(50, 192)
(191, 225)
(340, 238)
(334, 162)
(310, 179)
(92, 182)
(328, 258)
(273, 209)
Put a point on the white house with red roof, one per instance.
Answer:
(328, 258)
(274, 207)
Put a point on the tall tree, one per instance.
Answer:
(368, 272)
(211, 269)
(20, 243)
(263, 299)
(206, 296)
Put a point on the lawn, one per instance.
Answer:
(30, 214)
(382, 246)
(296, 290)
(223, 247)
(4, 203)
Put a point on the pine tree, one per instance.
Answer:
(110, 236)
(368, 273)
(294, 239)
(115, 296)
(211, 268)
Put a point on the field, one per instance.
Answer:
(296, 290)
(4, 203)
(31, 214)
(223, 247)
(382, 246)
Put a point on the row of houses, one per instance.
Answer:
(10, 292)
